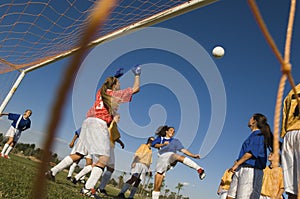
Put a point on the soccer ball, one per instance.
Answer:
(218, 52)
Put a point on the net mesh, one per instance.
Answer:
(33, 31)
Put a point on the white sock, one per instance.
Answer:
(155, 194)
(67, 161)
(125, 188)
(132, 192)
(187, 161)
(83, 171)
(8, 150)
(94, 177)
(4, 148)
(71, 169)
(105, 178)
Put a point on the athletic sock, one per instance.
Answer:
(187, 161)
(105, 178)
(4, 149)
(155, 194)
(71, 169)
(94, 177)
(125, 188)
(83, 171)
(8, 150)
(132, 192)
(67, 161)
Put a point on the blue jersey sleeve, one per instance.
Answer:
(156, 141)
(14, 117)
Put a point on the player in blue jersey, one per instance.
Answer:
(167, 156)
(248, 168)
(20, 123)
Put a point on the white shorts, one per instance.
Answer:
(264, 197)
(290, 158)
(94, 138)
(164, 161)
(140, 170)
(73, 151)
(223, 194)
(13, 132)
(246, 183)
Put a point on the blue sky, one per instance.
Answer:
(209, 101)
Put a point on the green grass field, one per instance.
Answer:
(17, 175)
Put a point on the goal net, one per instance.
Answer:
(34, 33)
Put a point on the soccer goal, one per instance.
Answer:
(36, 33)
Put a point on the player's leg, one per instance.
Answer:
(72, 169)
(86, 169)
(7, 147)
(134, 188)
(67, 161)
(128, 183)
(158, 179)
(10, 134)
(190, 163)
(289, 162)
(108, 173)
(105, 179)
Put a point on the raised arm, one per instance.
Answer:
(136, 84)
(187, 152)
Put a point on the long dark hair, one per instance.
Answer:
(161, 131)
(108, 101)
(262, 124)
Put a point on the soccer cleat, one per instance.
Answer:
(103, 191)
(201, 174)
(69, 178)
(50, 176)
(74, 181)
(82, 181)
(89, 193)
(6, 157)
(121, 195)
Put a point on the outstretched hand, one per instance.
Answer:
(137, 70)
(197, 156)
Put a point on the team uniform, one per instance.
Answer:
(144, 160)
(94, 137)
(18, 125)
(165, 153)
(225, 184)
(291, 146)
(247, 180)
(141, 164)
(272, 182)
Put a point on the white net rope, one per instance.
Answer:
(34, 31)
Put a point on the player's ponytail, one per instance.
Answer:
(265, 129)
(108, 101)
